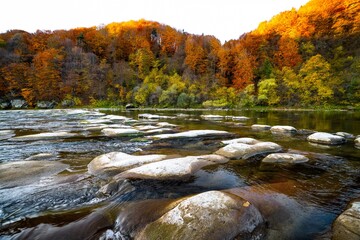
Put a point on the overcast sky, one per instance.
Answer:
(225, 19)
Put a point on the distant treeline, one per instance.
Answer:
(299, 58)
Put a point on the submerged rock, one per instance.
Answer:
(347, 225)
(42, 156)
(260, 127)
(191, 134)
(121, 132)
(240, 118)
(245, 151)
(209, 215)
(326, 138)
(283, 129)
(345, 135)
(285, 158)
(45, 136)
(26, 172)
(116, 162)
(172, 169)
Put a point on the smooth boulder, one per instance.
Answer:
(172, 169)
(260, 127)
(285, 158)
(283, 129)
(241, 140)
(116, 162)
(45, 136)
(326, 138)
(245, 151)
(347, 224)
(209, 215)
(212, 117)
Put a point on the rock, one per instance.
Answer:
(326, 138)
(285, 158)
(245, 151)
(276, 209)
(45, 136)
(345, 135)
(191, 134)
(148, 116)
(5, 104)
(42, 156)
(26, 172)
(209, 215)
(283, 129)
(45, 104)
(115, 117)
(347, 225)
(260, 127)
(172, 169)
(160, 131)
(67, 103)
(129, 106)
(212, 117)
(357, 142)
(250, 141)
(6, 134)
(145, 127)
(240, 118)
(121, 132)
(166, 125)
(18, 103)
(116, 162)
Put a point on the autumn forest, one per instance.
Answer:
(300, 58)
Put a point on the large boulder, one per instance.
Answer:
(191, 134)
(209, 215)
(241, 140)
(245, 151)
(260, 127)
(19, 103)
(116, 162)
(326, 138)
(347, 225)
(285, 158)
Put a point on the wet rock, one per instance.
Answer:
(46, 104)
(166, 125)
(4, 104)
(116, 162)
(260, 127)
(357, 142)
(326, 138)
(67, 103)
(121, 132)
(285, 158)
(212, 117)
(45, 136)
(148, 116)
(6, 134)
(19, 103)
(245, 151)
(345, 135)
(250, 141)
(160, 131)
(191, 134)
(209, 215)
(283, 129)
(129, 106)
(240, 118)
(276, 209)
(115, 117)
(26, 172)
(42, 156)
(347, 225)
(172, 169)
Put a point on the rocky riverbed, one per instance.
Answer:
(97, 174)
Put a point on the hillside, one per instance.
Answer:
(298, 58)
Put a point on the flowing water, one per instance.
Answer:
(50, 194)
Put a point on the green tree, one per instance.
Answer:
(267, 94)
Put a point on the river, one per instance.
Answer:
(46, 191)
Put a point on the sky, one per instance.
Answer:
(225, 19)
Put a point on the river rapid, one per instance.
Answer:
(48, 192)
